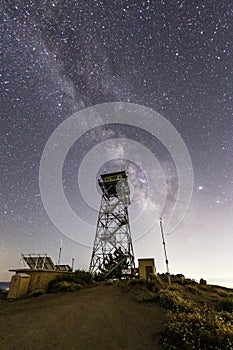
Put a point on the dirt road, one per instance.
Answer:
(100, 318)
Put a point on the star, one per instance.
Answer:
(60, 57)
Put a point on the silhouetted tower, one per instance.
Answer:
(113, 229)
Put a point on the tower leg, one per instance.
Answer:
(113, 249)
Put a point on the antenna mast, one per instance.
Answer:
(164, 247)
(59, 255)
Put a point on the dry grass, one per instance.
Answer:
(200, 317)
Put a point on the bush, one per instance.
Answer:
(225, 305)
(68, 286)
(70, 282)
(83, 277)
(99, 277)
(203, 329)
(164, 277)
(202, 281)
(175, 288)
(154, 284)
(226, 316)
(192, 327)
(189, 281)
(173, 300)
(178, 279)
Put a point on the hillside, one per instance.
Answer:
(125, 315)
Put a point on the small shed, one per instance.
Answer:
(146, 266)
(19, 286)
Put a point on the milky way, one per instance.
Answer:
(175, 57)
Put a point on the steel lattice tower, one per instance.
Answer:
(113, 229)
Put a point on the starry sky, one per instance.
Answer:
(175, 57)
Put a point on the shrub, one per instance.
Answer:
(203, 329)
(68, 286)
(83, 277)
(226, 316)
(164, 277)
(70, 282)
(99, 277)
(192, 327)
(202, 281)
(173, 300)
(225, 305)
(178, 279)
(189, 281)
(175, 288)
(154, 284)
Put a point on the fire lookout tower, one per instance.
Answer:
(113, 237)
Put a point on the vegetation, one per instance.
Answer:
(36, 293)
(99, 277)
(200, 329)
(193, 327)
(70, 282)
(200, 316)
(154, 283)
(226, 304)
(178, 279)
(174, 301)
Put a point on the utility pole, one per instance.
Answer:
(165, 252)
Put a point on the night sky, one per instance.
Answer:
(175, 57)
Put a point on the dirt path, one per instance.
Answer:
(101, 318)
